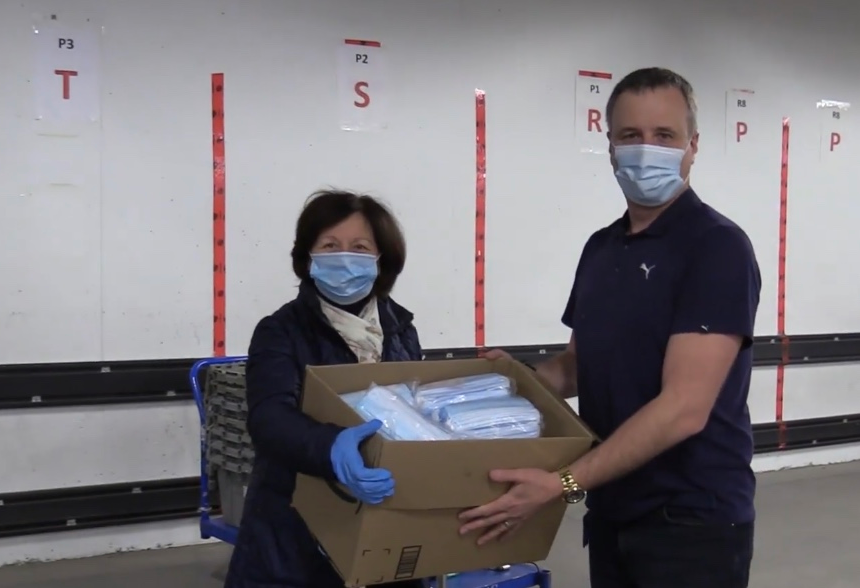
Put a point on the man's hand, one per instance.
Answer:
(558, 373)
(531, 490)
(495, 354)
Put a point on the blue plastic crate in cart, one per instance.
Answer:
(515, 576)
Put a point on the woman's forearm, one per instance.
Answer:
(293, 438)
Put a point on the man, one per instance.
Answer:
(662, 312)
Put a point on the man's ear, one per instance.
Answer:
(694, 147)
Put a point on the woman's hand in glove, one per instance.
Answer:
(370, 485)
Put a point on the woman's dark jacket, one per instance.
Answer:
(275, 548)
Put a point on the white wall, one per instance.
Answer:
(119, 267)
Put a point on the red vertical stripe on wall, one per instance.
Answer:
(780, 316)
(219, 209)
(480, 213)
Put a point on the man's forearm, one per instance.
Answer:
(560, 373)
(657, 427)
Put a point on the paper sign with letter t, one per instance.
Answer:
(66, 81)
(362, 91)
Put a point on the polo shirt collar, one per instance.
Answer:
(687, 201)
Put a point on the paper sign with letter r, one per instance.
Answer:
(592, 91)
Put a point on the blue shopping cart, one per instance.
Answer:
(214, 527)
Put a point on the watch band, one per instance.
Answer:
(571, 491)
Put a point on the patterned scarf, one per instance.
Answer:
(362, 333)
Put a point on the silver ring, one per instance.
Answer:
(507, 524)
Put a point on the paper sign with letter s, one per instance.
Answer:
(362, 91)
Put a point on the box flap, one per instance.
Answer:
(342, 379)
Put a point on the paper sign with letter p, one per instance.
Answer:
(740, 121)
(66, 80)
(362, 93)
(834, 123)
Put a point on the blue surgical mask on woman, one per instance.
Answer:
(649, 175)
(344, 277)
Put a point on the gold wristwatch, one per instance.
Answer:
(571, 492)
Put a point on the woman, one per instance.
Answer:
(348, 253)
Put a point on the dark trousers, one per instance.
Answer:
(668, 549)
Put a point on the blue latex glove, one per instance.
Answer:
(370, 485)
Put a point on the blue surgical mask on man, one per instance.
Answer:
(344, 277)
(649, 175)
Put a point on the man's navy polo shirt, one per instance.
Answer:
(691, 271)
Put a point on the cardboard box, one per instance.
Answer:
(414, 534)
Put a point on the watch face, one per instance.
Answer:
(574, 496)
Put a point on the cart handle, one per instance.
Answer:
(194, 376)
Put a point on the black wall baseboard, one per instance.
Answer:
(28, 513)
(89, 507)
(100, 383)
(76, 384)
(807, 433)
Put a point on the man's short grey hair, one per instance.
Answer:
(651, 78)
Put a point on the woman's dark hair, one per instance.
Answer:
(325, 209)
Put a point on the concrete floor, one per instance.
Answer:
(808, 534)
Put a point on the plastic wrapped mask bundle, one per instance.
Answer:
(400, 421)
(431, 398)
(401, 390)
(513, 417)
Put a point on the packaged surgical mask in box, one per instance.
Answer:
(513, 417)
(400, 421)
(430, 398)
(403, 391)
(473, 407)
